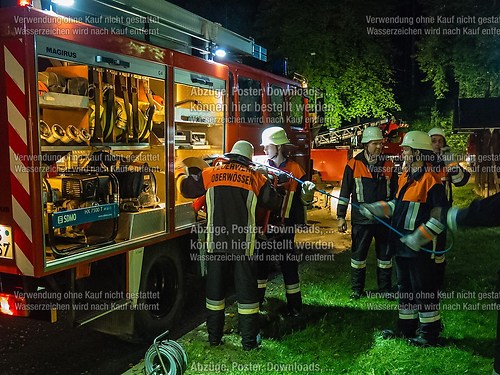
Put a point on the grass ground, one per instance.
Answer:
(340, 336)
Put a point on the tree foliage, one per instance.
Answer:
(329, 45)
(471, 61)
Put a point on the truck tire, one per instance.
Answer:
(161, 291)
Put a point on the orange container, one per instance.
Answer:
(330, 163)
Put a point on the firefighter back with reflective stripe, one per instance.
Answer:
(232, 191)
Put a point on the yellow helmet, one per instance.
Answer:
(242, 148)
(274, 136)
(437, 131)
(418, 140)
(372, 133)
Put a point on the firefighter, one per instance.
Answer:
(368, 178)
(232, 191)
(480, 213)
(448, 169)
(291, 214)
(419, 192)
(450, 173)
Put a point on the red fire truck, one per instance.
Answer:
(333, 149)
(93, 126)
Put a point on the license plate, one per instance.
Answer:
(6, 249)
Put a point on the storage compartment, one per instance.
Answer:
(102, 135)
(199, 128)
(140, 224)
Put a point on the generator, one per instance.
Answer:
(73, 202)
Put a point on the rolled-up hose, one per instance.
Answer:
(165, 358)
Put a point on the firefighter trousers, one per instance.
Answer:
(245, 281)
(283, 250)
(440, 243)
(418, 297)
(362, 236)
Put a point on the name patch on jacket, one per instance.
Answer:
(230, 174)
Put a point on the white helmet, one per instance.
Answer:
(242, 148)
(418, 140)
(274, 136)
(372, 133)
(437, 131)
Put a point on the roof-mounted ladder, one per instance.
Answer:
(163, 24)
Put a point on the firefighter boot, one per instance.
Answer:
(406, 328)
(427, 334)
(358, 276)
(215, 327)
(294, 304)
(249, 330)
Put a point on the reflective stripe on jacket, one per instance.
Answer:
(417, 195)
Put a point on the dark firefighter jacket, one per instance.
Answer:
(292, 209)
(417, 195)
(365, 183)
(481, 213)
(233, 191)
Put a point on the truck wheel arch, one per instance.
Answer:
(161, 290)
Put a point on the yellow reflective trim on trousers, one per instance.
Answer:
(358, 263)
(384, 263)
(292, 288)
(429, 317)
(408, 314)
(248, 308)
(343, 201)
(215, 305)
(439, 259)
(261, 284)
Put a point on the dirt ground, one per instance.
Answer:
(322, 229)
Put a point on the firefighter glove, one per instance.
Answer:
(260, 168)
(341, 225)
(379, 209)
(307, 193)
(423, 234)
